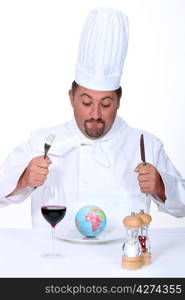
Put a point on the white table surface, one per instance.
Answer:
(20, 251)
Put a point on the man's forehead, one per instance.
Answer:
(94, 93)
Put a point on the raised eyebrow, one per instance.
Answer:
(107, 97)
(84, 94)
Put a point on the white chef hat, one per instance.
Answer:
(102, 49)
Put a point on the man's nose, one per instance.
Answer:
(96, 112)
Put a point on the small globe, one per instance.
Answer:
(90, 220)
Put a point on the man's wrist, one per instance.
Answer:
(162, 196)
(161, 193)
(21, 183)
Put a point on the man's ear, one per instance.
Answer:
(71, 97)
(118, 104)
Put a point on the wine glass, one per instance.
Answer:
(53, 210)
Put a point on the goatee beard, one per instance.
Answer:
(96, 132)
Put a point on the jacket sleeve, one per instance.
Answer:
(10, 171)
(173, 181)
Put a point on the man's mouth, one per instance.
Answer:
(95, 122)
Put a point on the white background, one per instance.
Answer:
(38, 50)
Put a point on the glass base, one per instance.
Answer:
(55, 255)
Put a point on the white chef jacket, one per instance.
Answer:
(99, 172)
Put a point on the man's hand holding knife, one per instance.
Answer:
(149, 179)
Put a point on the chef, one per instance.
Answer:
(96, 155)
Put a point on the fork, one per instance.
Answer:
(47, 145)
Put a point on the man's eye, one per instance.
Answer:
(105, 105)
(86, 103)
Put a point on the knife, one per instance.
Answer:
(142, 150)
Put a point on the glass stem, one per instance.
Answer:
(52, 240)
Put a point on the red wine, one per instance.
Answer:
(53, 213)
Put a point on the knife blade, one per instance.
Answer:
(142, 150)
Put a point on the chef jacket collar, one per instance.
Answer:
(98, 146)
(117, 126)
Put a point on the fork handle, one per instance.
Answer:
(45, 153)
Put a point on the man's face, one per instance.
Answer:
(94, 111)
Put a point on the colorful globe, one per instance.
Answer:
(90, 220)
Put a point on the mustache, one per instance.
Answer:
(95, 120)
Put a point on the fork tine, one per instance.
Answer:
(50, 138)
(48, 143)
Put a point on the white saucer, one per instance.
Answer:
(110, 234)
